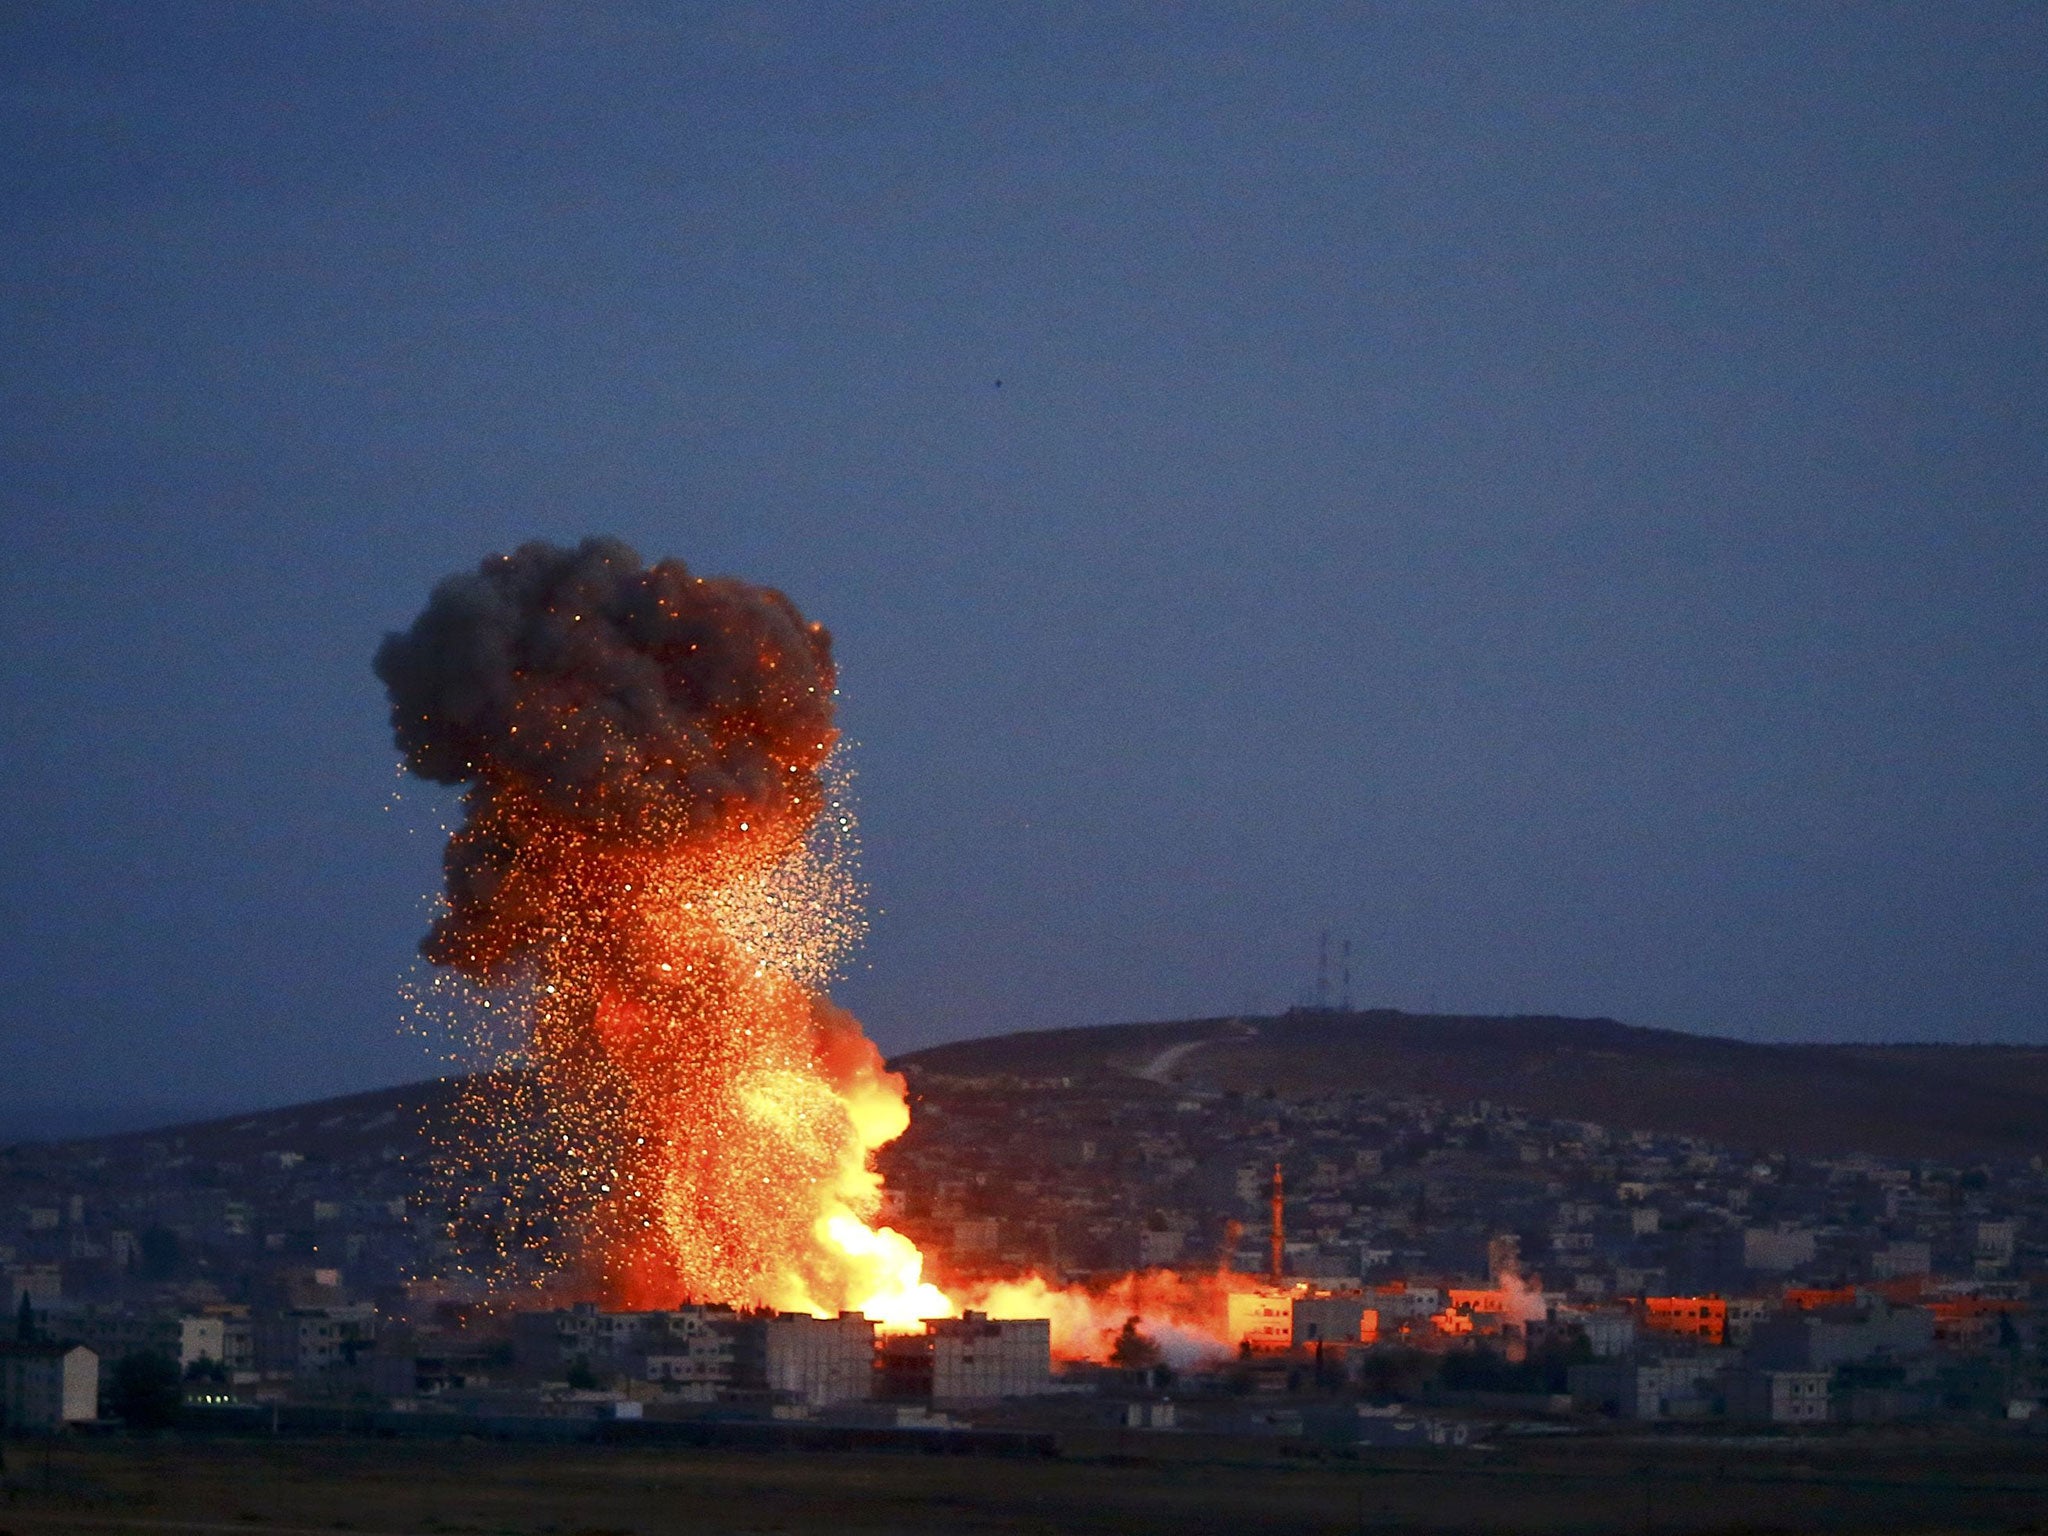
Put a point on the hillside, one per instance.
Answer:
(382, 1124)
(1939, 1101)
(1953, 1101)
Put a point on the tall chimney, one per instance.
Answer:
(1279, 1225)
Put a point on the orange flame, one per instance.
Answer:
(722, 1118)
(714, 1119)
(704, 1121)
(1186, 1313)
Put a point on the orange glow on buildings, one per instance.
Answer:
(1696, 1317)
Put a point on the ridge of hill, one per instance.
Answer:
(376, 1123)
(1934, 1101)
(1954, 1102)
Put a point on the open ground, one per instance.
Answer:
(364, 1487)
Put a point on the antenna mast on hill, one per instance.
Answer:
(1323, 972)
(1345, 994)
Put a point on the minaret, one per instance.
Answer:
(1279, 1224)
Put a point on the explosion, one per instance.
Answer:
(647, 895)
(643, 756)
(1186, 1316)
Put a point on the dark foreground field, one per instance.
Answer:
(254, 1487)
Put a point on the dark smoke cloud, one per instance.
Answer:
(581, 691)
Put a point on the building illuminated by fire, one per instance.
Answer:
(1262, 1321)
(971, 1359)
(717, 1354)
(797, 1358)
(1704, 1318)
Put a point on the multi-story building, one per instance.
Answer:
(1741, 1314)
(979, 1359)
(1262, 1320)
(1822, 1339)
(1639, 1389)
(1778, 1249)
(811, 1360)
(1991, 1248)
(1333, 1322)
(309, 1341)
(1777, 1397)
(692, 1359)
(113, 1333)
(46, 1386)
(1700, 1318)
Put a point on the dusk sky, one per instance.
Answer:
(1552, 493)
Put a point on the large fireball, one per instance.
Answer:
(642, 754)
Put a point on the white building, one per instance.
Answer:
(202, 1339)
(46, 1386)
(814, 1360)
(979, 1359)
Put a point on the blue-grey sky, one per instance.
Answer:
(1553, 492)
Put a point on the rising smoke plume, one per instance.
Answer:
(637, 707)
(641, 752)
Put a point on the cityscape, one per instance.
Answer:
(1356, 1265)
(630, 630)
